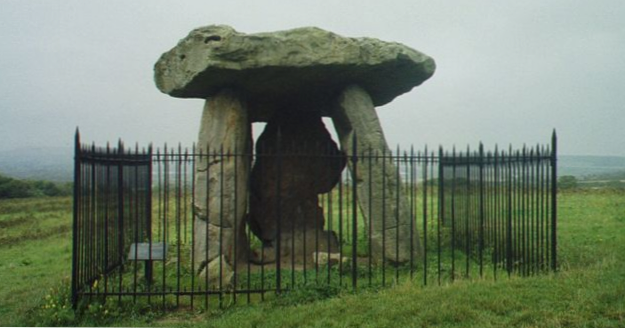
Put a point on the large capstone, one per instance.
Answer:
(301, 68)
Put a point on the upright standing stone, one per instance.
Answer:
(221, 183)
(376, 180)
(297, 160)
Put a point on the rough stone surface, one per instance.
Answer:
(285, 188)
(296, 247)
(211, 241)
(331, 259)
(221, 182)
(305, 66)
(219, 273)
(379, 200)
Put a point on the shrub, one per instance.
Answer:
(55, 309)
(15, 188)
(567, 182)
(11, 188)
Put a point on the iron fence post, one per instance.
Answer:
(441, 207)
(509, 213)
(467, 214)
(481, 210)
(93, 274)
(453, 213)
(120, 213)
(107, 193)
(149, 264)
(355, 212)
(77, 161)
(425, 216)
(278, 211)
(554, 203)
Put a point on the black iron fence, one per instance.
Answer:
(155, 225)
(500, 207)
(112, 209)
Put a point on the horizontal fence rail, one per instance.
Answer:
(156, 225)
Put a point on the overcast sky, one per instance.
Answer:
(508, 72)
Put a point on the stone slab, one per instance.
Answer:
(279, 69)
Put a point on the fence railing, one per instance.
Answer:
(501, 207)
(141, 231)
(112, 209)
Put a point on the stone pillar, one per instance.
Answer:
(221, 184)
(354, 113)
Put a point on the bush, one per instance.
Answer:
(14, 188)
(56, 308)
(615, 184)
(567, 182)
(52, 189)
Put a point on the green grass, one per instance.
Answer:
(35, 253)
(588, 291)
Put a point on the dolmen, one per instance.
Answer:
(290, 80)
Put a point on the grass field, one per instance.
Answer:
(588, 290)
(35, 253)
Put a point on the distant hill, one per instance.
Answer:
(589, 166)
(56, 164)
(52, 164)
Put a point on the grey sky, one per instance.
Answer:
(507, 71)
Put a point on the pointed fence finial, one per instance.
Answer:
(77, 141)
(554, 143)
